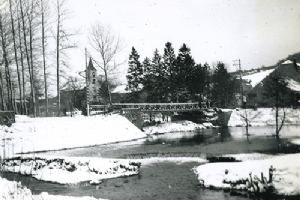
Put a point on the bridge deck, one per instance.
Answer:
(153, 107)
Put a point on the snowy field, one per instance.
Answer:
(178, 126)
(242, 175)
(39, 134)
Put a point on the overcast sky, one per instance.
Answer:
(258, 32)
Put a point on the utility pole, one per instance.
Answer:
(87, 85)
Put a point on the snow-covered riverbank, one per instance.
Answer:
(247, 175)
(71, 170)
(177, 126)
(11, 190)
(263, 117)
(39, 134)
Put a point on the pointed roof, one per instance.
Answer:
(90, 65)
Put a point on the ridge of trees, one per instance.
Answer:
(178, 78)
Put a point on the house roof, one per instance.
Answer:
(293, 85)
(120, 89)
(256, 78)
(289, 71)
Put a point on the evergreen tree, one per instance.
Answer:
(153, 78)
(224, 86)
(135, 72)
(183, 71)
(199, 82)
(146, 67)
(169, 59)
(207, 86)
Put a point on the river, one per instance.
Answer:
(164, 180)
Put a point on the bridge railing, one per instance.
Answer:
(150, 107)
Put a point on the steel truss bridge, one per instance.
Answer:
(151, 107)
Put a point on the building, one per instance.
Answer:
(93, 83)
(290, 72)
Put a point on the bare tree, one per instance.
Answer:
(62, 44)
(3, 107)
(31, 16)
(106, 47)
(43, 7)
(27, 52)
(22, 65)
(15, 52)
(247, 118)
(4, 46)
(73, 85)
(278, 94)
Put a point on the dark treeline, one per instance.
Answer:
(177, 78)
(27, 27)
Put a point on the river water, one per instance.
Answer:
(164, 180)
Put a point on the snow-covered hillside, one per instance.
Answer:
(257, 77)
(38, 134)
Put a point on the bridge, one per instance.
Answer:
(152, 107)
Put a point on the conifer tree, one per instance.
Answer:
(224, 86)
(199, 82)
(153, 78)
(184, 67)
(146, 67)
(135, 72)
(169, 59)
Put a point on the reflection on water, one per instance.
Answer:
(204, 136)
(221, 134)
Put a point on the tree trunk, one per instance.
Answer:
(57, 58)
(276, 114)
(16, 55)
(25, 111)
(2, 94)
(27, 57)
(108, 88)
(7, 71)
(44, 58)
(31, 64)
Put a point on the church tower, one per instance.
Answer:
(93, 84)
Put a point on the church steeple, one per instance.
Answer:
(91, 65)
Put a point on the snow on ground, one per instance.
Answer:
(257, 77)
(38, 134)
(295, 141)
(249, 156)
(238, 175)
(71, 170)
(11, 190)
(177, 160)
(263, 117)
(178, 126)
